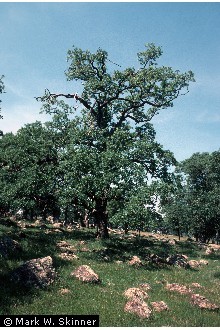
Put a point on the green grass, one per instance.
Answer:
(106, 299)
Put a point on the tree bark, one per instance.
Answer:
(101, 217)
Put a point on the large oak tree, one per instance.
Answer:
(108, 151)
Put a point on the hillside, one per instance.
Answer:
(110, 259)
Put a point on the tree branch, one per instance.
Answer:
(73, 96)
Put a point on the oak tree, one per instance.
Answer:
(109, 151)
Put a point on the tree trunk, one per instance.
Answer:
(65, 216)
(179, 234)
(101, 218)
(86, 218)
(126, 228)
(56, 213)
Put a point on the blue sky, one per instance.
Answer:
(35, 37)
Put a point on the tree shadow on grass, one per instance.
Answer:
(217, 275)
(7, 222)
(35, 244)
(11, 293)
(213, 256)
(123, 249)
(188, 248)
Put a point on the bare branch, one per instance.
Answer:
(72, 96)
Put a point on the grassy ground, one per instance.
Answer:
(106, 299)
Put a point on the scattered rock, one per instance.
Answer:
(214, 247)
(161, 282)
(203, 262)
(193, 264)
(139, 307)
(84, 249)
(68, 256)
(38, 223)
(145, 286)
(208, 251)
(182, 289)
(196, 285)
(66, 247)
(8, 245)
(21, 224)
(157, 259)
(56, 230)
(47, 232)
(85, 274)
(135, 261)
(202, 302)
(135, 293)
(159, 306)
(69, 228)
(50, 219)
(179, 260)
(57, 225)
(119, 262)
(62, 244)
(64, 291)
(35, 273)
(106, 258)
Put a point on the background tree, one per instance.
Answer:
(28, 170)
(111, 144)
(203, 190)
(192, 204)
(174, 206)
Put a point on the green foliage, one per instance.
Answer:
(109, 151)
(28, 169)
(203, 183)
(192, 206)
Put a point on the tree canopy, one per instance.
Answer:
(107, 145)
(28, 170)
(193, 206)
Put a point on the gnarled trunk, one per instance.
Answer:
(101, 217)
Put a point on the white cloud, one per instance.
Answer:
(17, 116)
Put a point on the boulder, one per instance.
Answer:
(119, 262)
(66, 247)
(171, 242)
(203, 262)
(57, 225)
(193, 264)
(202, 302)
(159, 306)
(68, 256)
(196, 285)
(37, 273)
(85, 274)
(145, 286)
(139, 307)
(157, 259)
(135, 261)
(64, 291)
(179, 260)
(135, 293)
(209, 251)
(182, 289)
